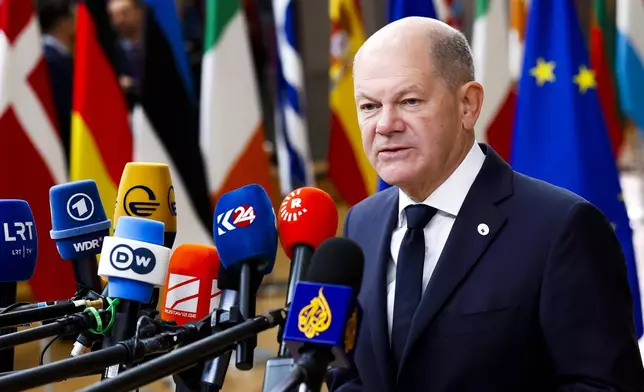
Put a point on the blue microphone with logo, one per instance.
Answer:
(245, 234)
(79, 225)
(135, 262)
(323, 319)
(18, 255)
(18, 242)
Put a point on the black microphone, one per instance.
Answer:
(306, 217)
(225, 316)
(135, 261)
(323, 318)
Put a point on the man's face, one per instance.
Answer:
(409, 118)
(126, 17)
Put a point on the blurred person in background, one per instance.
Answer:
(58, 25)
(127, 19)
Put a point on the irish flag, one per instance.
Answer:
(492, 63)
(231, 129)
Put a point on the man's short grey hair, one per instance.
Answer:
(452, 58)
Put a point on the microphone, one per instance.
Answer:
(79, 224)
(307, 216)
(323, 319)
(146, 191)
(246, 238)
(18, 255)
(18, 243)
(226, 315)
(191, 294)
(134, 260)
(191, 291)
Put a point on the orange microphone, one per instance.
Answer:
(191, 291)
(306, 218)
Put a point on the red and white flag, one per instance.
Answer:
(32, 157)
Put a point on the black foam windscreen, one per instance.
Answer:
(230, 281)
(337, 260)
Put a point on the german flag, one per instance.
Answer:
(101, 140)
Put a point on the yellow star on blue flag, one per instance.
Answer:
(560, 135)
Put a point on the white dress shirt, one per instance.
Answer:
(447, 199)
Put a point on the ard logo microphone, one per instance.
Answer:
(146, 191)
(18, 241)
(79, 225)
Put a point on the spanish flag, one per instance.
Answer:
(349, 169)
(101, 140)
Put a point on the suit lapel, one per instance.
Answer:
(476, 226)
(375, 289)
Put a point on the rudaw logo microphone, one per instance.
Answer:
(18, 241)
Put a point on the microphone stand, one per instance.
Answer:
(19, 317)
(7, 297)
(246, 349)
(185, 357)
(70, 324)
(281, 367)
(131, 350)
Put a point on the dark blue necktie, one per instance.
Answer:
(409, 275)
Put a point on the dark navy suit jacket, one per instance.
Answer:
(61, 74)
(540, 303)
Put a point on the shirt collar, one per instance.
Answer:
(450, 195)
(50, 40)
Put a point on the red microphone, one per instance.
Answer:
(191, 291)
(307, 217)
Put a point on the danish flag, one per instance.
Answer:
(32, 157)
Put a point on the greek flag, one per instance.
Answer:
(291, 138)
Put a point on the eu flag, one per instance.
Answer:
(560, 134)
(399, 9)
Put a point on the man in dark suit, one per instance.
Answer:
(57, 23)
(476, 278)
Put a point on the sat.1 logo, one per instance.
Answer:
(241, 216)
(140, 201)
(80, 207)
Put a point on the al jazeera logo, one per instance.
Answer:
(315, 318)
(350, 332)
